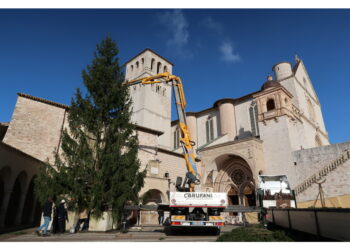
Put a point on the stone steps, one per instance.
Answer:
(345, 156)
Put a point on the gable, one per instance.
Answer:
(304, 80)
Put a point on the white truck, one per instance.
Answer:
(196, 209)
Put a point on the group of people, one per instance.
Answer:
(60, 217)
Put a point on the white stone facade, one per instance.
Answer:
(276, 130)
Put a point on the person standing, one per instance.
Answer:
(160, 217)
(62, 217)
(47, 211)
(83, 218)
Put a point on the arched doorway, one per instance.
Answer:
(31, 209)
(248, 195)
(15, 199)
(235, 177)
(13, 205)
(233, 196)
(151, 197)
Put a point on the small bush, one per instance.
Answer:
(254, 233)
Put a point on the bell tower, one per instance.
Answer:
(151, 102)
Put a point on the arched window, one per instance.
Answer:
(253, 113)
(165, 69)
(209, 127)
(132, 68)
(152, 63)
(137, 64)
(142, 61)
(159, 65)
(270, 105)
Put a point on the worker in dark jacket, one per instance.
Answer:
(47, 210)
(62, 217)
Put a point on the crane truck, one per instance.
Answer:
(187, 207)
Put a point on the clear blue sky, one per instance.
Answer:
(218, 53)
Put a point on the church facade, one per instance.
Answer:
(277, 130)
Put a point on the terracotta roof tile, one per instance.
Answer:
(43, 100)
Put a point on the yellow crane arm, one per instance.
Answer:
(185, 136)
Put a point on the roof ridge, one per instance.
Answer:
(152, 52)
(44, 100)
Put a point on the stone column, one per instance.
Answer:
(3, 211)
(227, 119)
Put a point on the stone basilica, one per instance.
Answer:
(277, 130)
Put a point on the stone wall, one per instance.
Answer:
(35, 128)
(310, 161)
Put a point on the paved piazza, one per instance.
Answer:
(147, 234)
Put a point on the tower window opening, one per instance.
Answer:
(158, 67)
(270, 105)
(152, 63)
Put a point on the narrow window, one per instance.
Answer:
(137, 64)
(142, 61)
(132, 68)
(209, 125)
(165, 69)
(152, 63)
(159, 65)
(176, 138)
(270, 105)
(253, 113)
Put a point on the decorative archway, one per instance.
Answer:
(235, 177)
(15, 199)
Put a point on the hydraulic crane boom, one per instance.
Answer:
(185, 137)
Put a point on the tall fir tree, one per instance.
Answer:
(97, 168)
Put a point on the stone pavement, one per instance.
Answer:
(144, 234)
